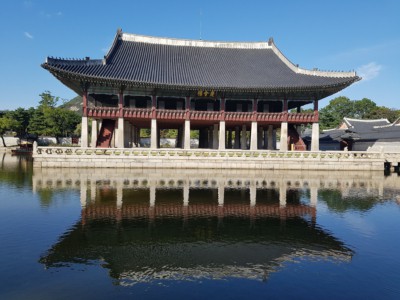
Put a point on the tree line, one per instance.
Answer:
(338, 108)
(47, 119)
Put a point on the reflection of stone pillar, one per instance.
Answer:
(119, 195)
(253, 140)
(222, 135)
(187, 135)
(284, 136)
(221, 194)
(83, 193)
(186, 194)
(380, 189)
(92, 191)
(152, 194)
(282, 194)
(237, 137)
(94, 134)
(84, 132)
(243, 141)
(215, 137)
(153, 139)
(313, 195)
(315, 137)
(253, 194)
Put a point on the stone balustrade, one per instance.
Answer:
(211, 159)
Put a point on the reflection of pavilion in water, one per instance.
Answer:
(153, 225)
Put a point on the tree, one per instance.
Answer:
(22, 117)
(332, 115)
(362, 108)
(51, 120)
(382, 112)
(7, 123)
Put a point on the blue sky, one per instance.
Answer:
(361, 35)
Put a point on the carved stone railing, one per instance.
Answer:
(302, 117)
(169, 114)
(139, 113)
(205, 115)
(209, 153)
(103, 112)
(239, 116)
(271, 117)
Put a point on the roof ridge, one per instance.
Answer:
(130, 37)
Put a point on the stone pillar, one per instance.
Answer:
(210, 137)
(215, 137)
(270, 137)
(119, 139)
(254, 139)
(243, 141)
(153, 138)
(229, 138)
(134, 133)
(186, 139)
(265, 139)
(222, 135)
(284, 136)
(260, 138)
(315, 137)
(84, 132)
(93, 142)
(127, 134)
(237, 137)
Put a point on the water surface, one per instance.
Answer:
(151, 234)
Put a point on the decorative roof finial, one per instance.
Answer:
(270, 41)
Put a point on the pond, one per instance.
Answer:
(151, 234)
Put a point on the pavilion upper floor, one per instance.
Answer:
(205, 106)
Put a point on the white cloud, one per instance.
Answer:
(28, 35)
(369, 71)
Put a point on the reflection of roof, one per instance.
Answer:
(227, 210)
(144, 61)
(179, 248)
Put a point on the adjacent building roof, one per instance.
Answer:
(356, 129)
(151, 62)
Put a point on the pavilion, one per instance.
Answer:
(221, 89)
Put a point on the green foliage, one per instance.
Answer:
(332, 115)
(382, 112)
(48, 119)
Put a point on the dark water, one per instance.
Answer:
(162, 234)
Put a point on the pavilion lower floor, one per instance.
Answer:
(125, 132)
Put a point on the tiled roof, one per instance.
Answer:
(146, 61)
